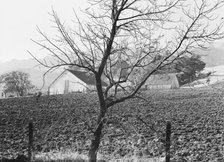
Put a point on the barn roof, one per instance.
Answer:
(163, 79)
(86, 77)
(121, 65)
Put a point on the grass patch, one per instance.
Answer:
(70, 156)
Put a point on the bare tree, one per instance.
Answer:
(16, 82)
(138, 33)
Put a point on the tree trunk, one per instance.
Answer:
(95, 143)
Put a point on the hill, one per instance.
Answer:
(31, 67)
(213, 57)
(216, 78)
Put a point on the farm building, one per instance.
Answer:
(162, 81)
(73, 81)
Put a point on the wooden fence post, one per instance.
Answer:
(30, 141)
(168, 142)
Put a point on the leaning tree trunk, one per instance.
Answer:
(95, 142)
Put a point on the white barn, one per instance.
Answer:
(162, 81)
(73, 81)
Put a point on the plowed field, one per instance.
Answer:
(135, 127)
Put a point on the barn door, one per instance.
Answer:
(66, 90)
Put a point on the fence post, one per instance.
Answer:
(168, 142)
(30, 141)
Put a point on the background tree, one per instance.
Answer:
(134, 31)
(187, 67)
(190, 65)
(16, 82)
(190, 68)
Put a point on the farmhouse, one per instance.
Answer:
(162, 81)
(73, 81)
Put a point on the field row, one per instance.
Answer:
(135, 127)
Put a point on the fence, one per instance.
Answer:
(168, 141)
(30, 143)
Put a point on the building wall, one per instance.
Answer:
(68, 83)
(161, 86)
(163, 81)
(158, 87)
(91, 88)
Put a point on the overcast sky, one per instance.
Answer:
(19, 18)
(18, 21)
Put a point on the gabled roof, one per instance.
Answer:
(162, 79)
(121, 65)
(55, 80)
(86, 77)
